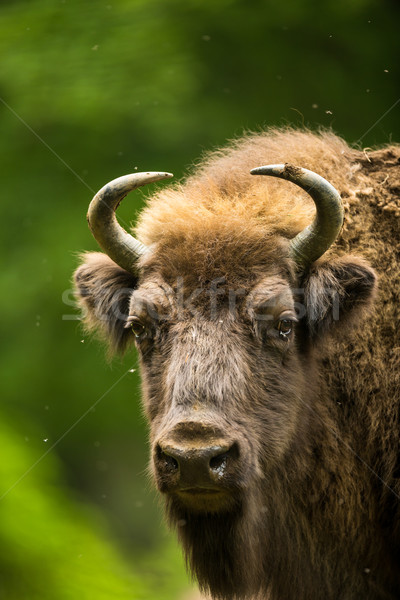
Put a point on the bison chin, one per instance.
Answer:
(223, 549)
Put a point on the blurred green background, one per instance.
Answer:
(90, 90)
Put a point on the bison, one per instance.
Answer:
(266, 318)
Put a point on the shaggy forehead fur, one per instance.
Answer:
(222, 204)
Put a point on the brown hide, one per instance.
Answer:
(272, 396)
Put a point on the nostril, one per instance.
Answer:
(167, 462)
(219, 462)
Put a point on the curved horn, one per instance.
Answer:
(314, 240)
(120, 246)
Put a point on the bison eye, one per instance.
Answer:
(138, 328)
(284, 327)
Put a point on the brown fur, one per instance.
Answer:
(314, 508)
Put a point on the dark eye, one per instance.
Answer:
(138, 328)
(284, 327)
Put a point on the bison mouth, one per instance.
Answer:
(198, 490)
(203, 499)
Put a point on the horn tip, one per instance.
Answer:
(268, 170)
(159, 175)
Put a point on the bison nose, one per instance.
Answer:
(185, 467)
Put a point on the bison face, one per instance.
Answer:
(222, 382)
(227, 366)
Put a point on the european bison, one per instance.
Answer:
(270, 360)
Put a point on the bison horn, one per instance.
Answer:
(120, 246)
(314, 240)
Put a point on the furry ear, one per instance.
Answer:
(337, 292)
(104, 290)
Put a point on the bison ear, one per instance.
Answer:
(337, 293)
(104, 290)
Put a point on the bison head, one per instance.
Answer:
(227, 319)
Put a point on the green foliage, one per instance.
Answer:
(91, 90)
(52, 547)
